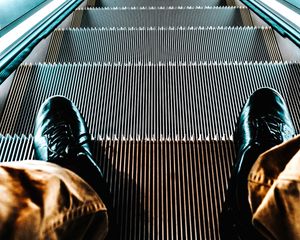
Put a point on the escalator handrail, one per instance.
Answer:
(280, 23)
(19, 50)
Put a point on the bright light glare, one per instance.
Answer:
(20, 30)
(284, 11)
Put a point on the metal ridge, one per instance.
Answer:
(173, 64)
(148, 102)
(162, 8)
(171, 28)
(160, 190)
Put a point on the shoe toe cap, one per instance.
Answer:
(263, 102)
(59, 108)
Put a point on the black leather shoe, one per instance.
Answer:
(61, 136)
(263, 123)
(60, 133)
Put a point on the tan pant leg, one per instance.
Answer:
(40, 200)
(273, 185)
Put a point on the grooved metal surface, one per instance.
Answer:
(143, 101)
(163, 45)
(157, 17)
(16, 148)
(161, 189)
(146, 3)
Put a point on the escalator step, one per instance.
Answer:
(138, 3)
(175, 45)
(158, 17)
(161, 189)
(155, 102)
(15, 147)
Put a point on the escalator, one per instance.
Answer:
(160, 84)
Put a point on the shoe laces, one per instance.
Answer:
(61, 141)
(270, 128)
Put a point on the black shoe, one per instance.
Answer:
(60, 133)
(61, 136)
(263, 123)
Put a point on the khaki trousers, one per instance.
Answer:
(41, 200)
(274, 191)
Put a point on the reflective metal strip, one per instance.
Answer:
(19, 84)
(168, 189)
(54, 47)
(268, 35)
(161, 190)
(158, 3)
(158, 102)
(247, 19)
(186, 17)
(164, 45)
(77, 18)
(16, 148)
(161, 7)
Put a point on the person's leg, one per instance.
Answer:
(264, 122)
(274, 191)
(41, 200)
(61, 137)
(45, 199)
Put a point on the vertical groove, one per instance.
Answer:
(54, 46)
(162, 17)
(165, 3)
(77, 18)
(177, 102)
(272, 45)
(211, 44)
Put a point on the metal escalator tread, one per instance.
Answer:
(16, 148)
(148, 101)
(163, 45)
(138, 3)
(161, 189)
(162, 17)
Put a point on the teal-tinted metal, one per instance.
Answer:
(12, 10)
(294, 3)
(281, 25)
(21, 49)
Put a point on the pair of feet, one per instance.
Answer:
(264, 122)
(61, 136)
